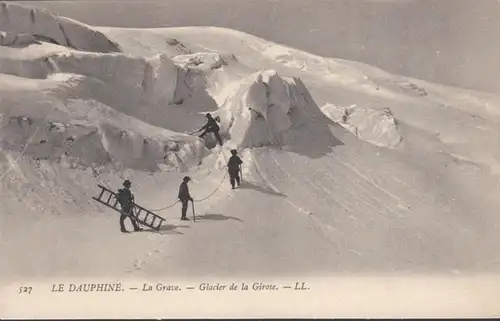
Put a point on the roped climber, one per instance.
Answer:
(234, 168)
(126, 200)
(211, 127)
(185, 197)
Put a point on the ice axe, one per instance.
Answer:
(194, 216)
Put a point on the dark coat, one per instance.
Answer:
(233, 165)
(211, 125)
(126, 199)
(184, 192)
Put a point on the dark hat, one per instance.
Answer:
(208, 115)
(127, 183)
(186, 178)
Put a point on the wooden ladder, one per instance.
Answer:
(142, 215)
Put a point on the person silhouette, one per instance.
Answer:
(234, 168)
(126, 200)
(184, 196)
(211, 127)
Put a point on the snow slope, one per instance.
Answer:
(347, 168)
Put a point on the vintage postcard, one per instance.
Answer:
(200, 159)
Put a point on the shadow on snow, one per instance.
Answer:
(216, 217)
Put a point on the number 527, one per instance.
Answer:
(25, 289)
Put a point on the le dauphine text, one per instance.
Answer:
(164, 287)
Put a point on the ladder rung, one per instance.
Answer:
(100, 195)
(109, 198)
(137, 210)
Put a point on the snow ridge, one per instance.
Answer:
(151, 80)
(99, 141)
(43, 25)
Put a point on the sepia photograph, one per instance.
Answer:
(249, 158)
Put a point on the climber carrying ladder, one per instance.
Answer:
(126, 200)
(210, 127)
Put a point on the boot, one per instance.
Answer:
(136, 226)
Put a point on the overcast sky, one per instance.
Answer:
(455, 42)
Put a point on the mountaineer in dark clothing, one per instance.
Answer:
(185, 197)
(211, 127)
(233, 167)
(126, 200)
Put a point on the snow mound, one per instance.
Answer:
(149, 80)
(45, 26)
(375, 126)
(265, 107)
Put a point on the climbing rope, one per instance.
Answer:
(204, 198)
(220, 184)
(223, 155)
(218, 187)
(166, 207)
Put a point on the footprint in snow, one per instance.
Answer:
(137, 264)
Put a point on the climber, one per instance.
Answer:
(126, 200)
(211, 127)
(185, 197)
(234, 168)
